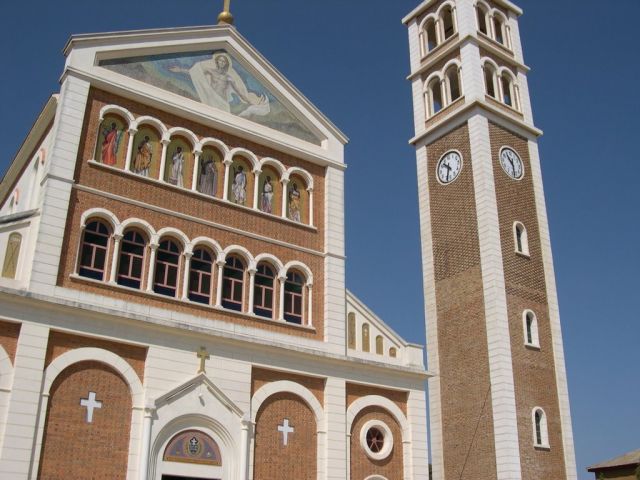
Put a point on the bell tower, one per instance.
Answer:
(499, 405)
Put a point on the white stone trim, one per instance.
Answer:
(311, 401)
(535, 337)
(99, 213)
(270, 259)
(242, 252)
(544, 432)
(176, 131)
(388, 439)
(6, 373)
(272, 162)
(379, 401)
(503, 401)
(208, 242)
(295, 264)
(431, 312)
(136, 223)
(147, 120)
(175, 234)
(118, 110)
(303, 173)
(114, 362)
(554, 315)
(110, 359)
(524, 239)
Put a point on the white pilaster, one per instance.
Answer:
(22, 415)
(431, 314)
(505, 423)
(419, 454)
(337, 445)
(334, 298)
(66, 135)
(554, 315)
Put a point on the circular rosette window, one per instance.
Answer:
(376, 439)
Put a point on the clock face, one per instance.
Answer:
(449, 167)
(511, 163)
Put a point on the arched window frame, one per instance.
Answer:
(308, 187)
(365, 334)
(95, 248)
(491, 70)
(506, 75)
(379, 345)
(434, 84)
(483, 11)
(449, 71)
(129, 244)
(351, 331)
(199, 274)
(498, 19)
(234, 264)
(530, 328)
(11, 265)
(445, 8)
(165, 266)
(291, 297)
(540, 430)
(431, 22)
(520, 239)
(262, 289)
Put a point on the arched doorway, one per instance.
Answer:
(192, 455)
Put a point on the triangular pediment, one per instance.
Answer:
(210, 70)
(199, 386)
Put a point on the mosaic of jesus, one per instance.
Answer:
(217, 79)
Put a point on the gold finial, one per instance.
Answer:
(225, 16)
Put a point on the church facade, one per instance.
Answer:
(173, 272)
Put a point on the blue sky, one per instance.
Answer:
(351, 59)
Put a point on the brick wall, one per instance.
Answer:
(467, 418)
(73, 448)
(261, 376)
(534, 370)
(298, 459)
(9, 333)
(355, 391)
(361, 465)
(166, 197)
(60, 342)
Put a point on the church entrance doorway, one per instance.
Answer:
(192, 455)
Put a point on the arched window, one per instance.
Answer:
(379, 345)
(366, 347)
(263, 291)
(531, 338)
(111, 146)
(498, 28)
(211, 172)
(351, 331)
(293, 297)
(431, 37)
(453, 83)
(489, 80)
(521, 239)
(269, 191)
(178, 163)
(482, 19)
(93, 250)
(540, 432)
(12, 253)
(166, 268)
(298, 200)
(448, 24)
(233, 283)
(200, 276)
(507, 90)
(147, 149)
(434, 96)
(131, 261)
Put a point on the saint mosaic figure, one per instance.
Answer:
(111, 144)
(266, 205)
(217, 82)
(208, 177)
(142, 160)
(239, 187)
(177, 167)
(294, 203)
